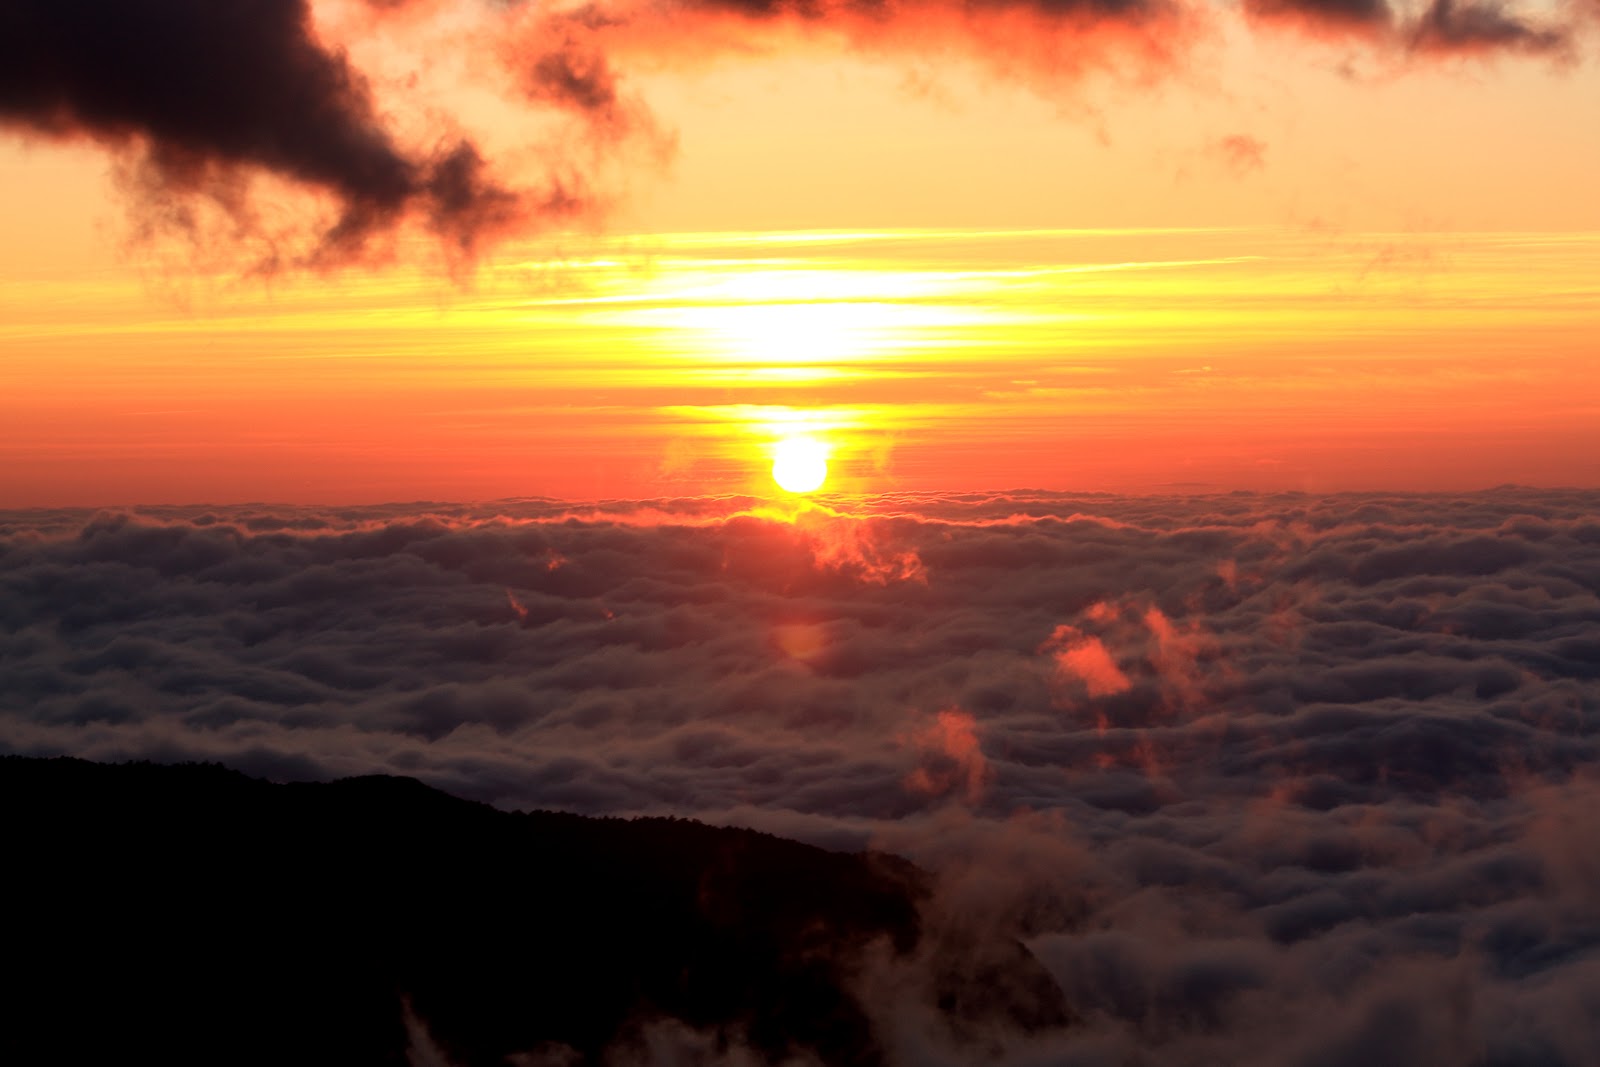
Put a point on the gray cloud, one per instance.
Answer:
(1335, 810)
(1449, 26)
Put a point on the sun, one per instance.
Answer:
(800, 464)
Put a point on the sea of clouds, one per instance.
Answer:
(1263, 779)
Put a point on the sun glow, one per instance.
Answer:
(800, 464)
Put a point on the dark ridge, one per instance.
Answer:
(192, 915)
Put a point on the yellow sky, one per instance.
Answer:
(929, 359)
(1282, 264)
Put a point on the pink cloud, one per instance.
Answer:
(1085, 659)
(950, 759)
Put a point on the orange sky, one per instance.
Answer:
(1269, 261)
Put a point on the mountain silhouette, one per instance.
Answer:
(192, 915)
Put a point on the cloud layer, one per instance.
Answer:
(1282, 780)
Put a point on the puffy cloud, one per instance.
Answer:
(1086, 659)
(1449, 26)
(951, 757)
(1442, 28)
(205, 95)
(1339, 792)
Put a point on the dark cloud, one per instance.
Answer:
(570, 76)
(1262, 779)
(1363, 17)
(1444, 28)
(1452, 27)
(204, 94)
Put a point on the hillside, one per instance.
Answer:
(190, 914)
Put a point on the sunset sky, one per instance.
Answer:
(1073, 246)
(1204, 588)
